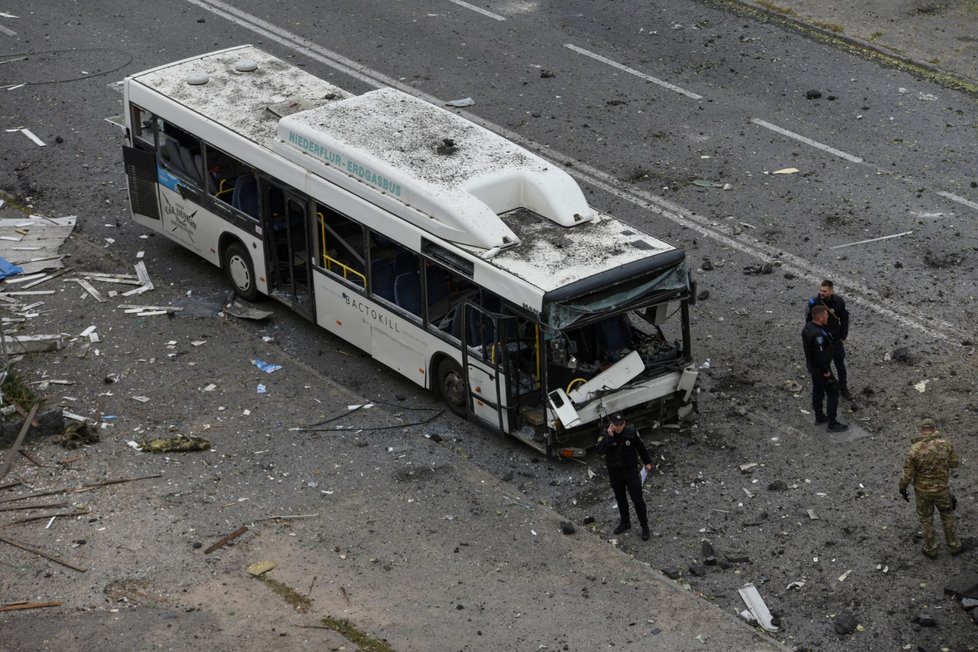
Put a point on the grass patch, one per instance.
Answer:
(770, 6)
(290, 595)
(350, 632)
(829, 27)
(875, 36)
(15, 390)
(13, 203)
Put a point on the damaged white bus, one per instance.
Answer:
(442, 249)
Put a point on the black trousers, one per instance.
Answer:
(628, 483)
(839, 358)
(825, 390)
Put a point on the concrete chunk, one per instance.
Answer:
(963, 585)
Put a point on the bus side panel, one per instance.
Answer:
(182, 221)
(200, 231)
(342, 311)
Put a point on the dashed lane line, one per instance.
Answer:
(806, 140)
(898, 312)
(632, 71)
(960, 200)
(478, 9)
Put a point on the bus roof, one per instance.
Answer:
(430, 166)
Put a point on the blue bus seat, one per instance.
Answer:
(245, 195)
(382, 278)
(407, 292)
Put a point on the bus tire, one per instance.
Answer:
(451, 387)
(240, 271)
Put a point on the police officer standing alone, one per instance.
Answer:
(818, 345)
(838, 328)
(622, 448)
(928, 467)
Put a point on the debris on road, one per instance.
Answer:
(267, 367)
(260, 568)
(755, 604)
(78, 434)
(13, 606)
(465, 101)
(178, 444)
(41, 553)
(235, 309)
(786, 171)
(231, 537)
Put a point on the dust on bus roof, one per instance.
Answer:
(237, 98)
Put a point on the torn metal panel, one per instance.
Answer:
(39, 239)
(757, 607)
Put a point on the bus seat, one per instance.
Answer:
(613, 334)
(479, 336)
(171, 155)
(437, 284)
(407, 292)
(189, 165)
(382, 278)
(404, 262)
(245, 195)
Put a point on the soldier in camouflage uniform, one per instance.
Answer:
(928, 466)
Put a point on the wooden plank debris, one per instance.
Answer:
(12, 606)
(45, 279)
(12, 453)
(58, 560)
(134, 308)
(231, 537)
(88, 287)
(33, 343)
(78, 490)
(24, 507)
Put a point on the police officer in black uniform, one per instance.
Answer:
(818, 343)
(622, 448)
(838, 328)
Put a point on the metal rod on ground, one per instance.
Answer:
(43, 554)
(20, 440)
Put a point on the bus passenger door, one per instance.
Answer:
(482, 360)
(140, 167)
(287, 243)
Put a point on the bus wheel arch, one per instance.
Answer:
(451, 385)
(239, 269)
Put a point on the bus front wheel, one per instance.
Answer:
(451, 386)
(240, 272)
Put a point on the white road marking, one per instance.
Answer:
(807, 141)
(856, 293)
(960, 200)
(632, 71)
(885, 237)
(478, 9)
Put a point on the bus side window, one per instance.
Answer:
(143, 124)
(395, 274)
(341, 246)
(223, 174)
(447, 292)
(180, 153)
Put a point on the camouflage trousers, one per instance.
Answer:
(926, 504)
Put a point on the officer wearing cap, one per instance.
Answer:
(928, 467)
(622, 448)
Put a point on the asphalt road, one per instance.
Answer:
(643, 101)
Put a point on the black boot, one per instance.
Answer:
(645, 532)
(622, 526)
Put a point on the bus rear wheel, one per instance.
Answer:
(451, 386)
(240, 271)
